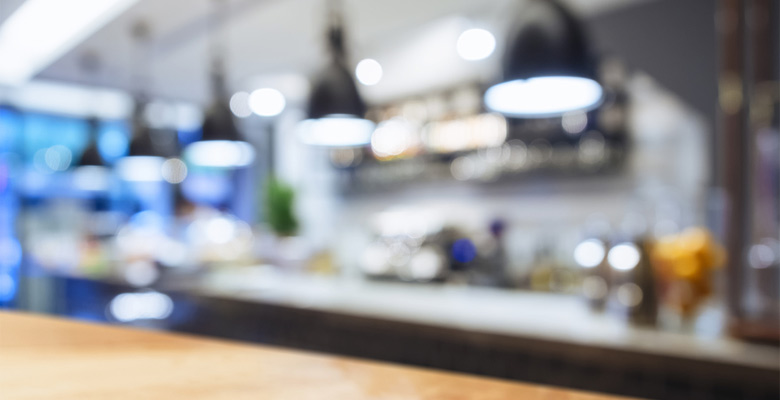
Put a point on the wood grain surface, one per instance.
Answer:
(49, 358)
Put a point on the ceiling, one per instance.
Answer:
(264, 39)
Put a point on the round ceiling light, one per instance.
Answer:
(267, 102)
(239, 105)
(368, 72)
(476, 44)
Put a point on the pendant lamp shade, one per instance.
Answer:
(547, 67)
(91, 155)
(141, 143)
(91, 174)
(221, 144)
(143, 162)
(336, 110)
(218, 123)
(335, 93)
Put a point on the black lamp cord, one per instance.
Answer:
(217, 52)
(335, 31)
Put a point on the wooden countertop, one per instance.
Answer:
(45, 358)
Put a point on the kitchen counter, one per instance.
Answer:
(524, 314)
(44, 358)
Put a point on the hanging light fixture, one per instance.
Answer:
(221, 144)
(91, 155)
(548, 69)
(91, 172)
(336, 111)
(144, 161)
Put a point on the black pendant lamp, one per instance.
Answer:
(548, 68)
(91, 155)
(143, 162)
(218, 123)
(221, 144)
(141, 143)
(336, 110)
(91, 174)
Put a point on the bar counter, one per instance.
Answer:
(45, 357)
(541, 339)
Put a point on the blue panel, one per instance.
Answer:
(113, 141)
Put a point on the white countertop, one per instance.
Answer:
(513, 313)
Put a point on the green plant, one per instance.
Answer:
(279, 211)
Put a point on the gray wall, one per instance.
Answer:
(674, 41)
